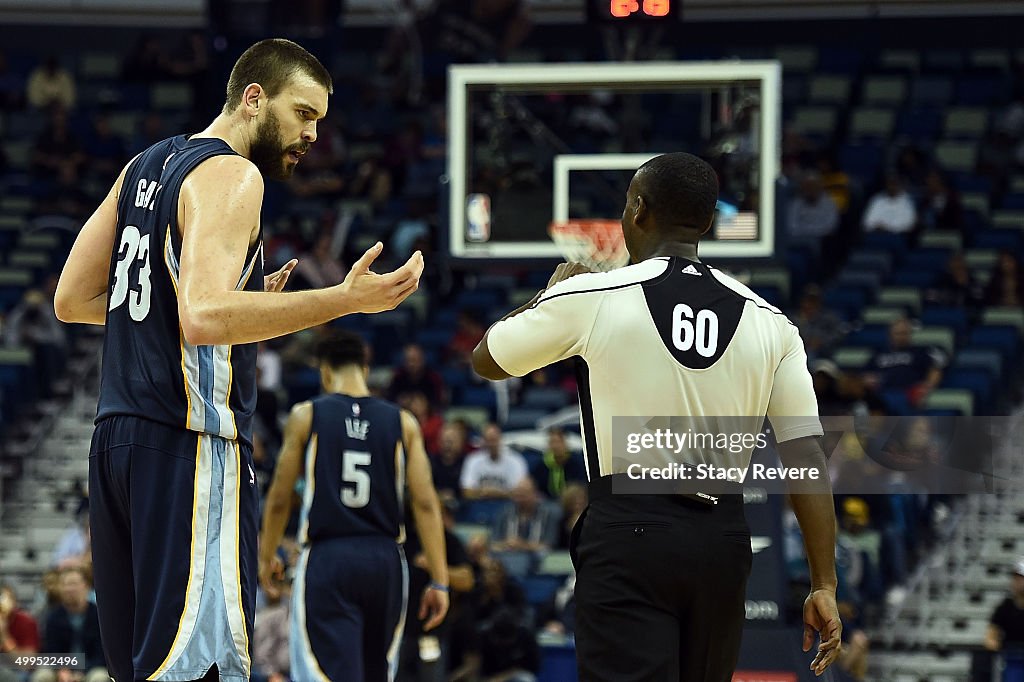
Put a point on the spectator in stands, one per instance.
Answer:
(74, 627)
(494, 470)
(33, 324)
(414, 376)
(19, 632)
(528, 525)
(892, 210)
(12, 87)
(558, 467)
(574, 502)
(468, 333)
(270, 634)
(1006, 287)
(812, 214)
(75, 543)
(911, 167)
(147, 61)
(430, 421)
(941, 208)
(820, 328)
(835, 181)
(105, 149)
(319, 267)
(507, 648)
(956, 286)
(863, 542)
(1006, 625)
(151, 130)
(837, 392)
(57, 148)
(50, 84)
(447, 465)
(914, 369)
(559, 617)
(418, 662)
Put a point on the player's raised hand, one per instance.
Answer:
(821, 615)
(433, 608)
(276, 281)
(566, 270)
(367, 292)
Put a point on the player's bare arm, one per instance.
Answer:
(279, 497)
(815, 511)
(220, 208)
(483, 362)
(81, 294)
(426, 510)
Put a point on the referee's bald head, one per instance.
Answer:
(679, 192)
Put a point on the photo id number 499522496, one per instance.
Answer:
(58, 661)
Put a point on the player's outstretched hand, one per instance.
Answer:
(276, 281)
(566, 270)
(433, 608)
(821, 615)
(270, 572)
(367, 292)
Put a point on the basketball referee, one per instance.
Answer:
(661, 578)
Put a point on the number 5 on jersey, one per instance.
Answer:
(134, 247)
(358, 495)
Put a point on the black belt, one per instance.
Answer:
(621, 484)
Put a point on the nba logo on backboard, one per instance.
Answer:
(751, 676)
(478, 218)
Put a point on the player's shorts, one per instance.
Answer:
(174, 519)
(348, 610)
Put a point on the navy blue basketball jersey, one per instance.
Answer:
(149, 369)
(354, 470)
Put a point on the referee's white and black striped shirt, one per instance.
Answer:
(665, 337)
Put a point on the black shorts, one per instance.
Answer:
(660, 588)
(348, 610)
(174, 522)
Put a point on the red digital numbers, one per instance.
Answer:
(652, 8)
(656, 8)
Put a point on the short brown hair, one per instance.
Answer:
(272, 63)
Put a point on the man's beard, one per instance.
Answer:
(268, 150)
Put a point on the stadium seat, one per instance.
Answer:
(965, 122)
(1004, 315)
(885, 241)
(476, 417)
(1009, 218)
(556, 563)
(931, 90)
(957, 156)
(775, 277)
(878, 314)
(976, 201)
(914, 278)
(480, 396)
(481, 512)
(943, 61)
(812, 121)
(878, 261)
(518, 565)
(954, 317)
(899, 60)
(799, 58)
(998, 239)
(13, 283)
(996, 59)
(851, 357)
(896, 402)
(870, 335)
(540, 589)
(1003, 338)
(940, 337)
(904, 297)
(921, 124)
(885, 90)
(977, 381)
(846, 300)
(524, 418)
(544, 398)
(958, 399)
(979, 358)
(861, 160)
(981, 258)
(947, 240)
(872, 124)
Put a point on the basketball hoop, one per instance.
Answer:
(598, 244)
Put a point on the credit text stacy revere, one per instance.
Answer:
(710, 472)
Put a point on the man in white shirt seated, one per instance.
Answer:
(494, 470)
(892, 210)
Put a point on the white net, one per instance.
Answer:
(598, 244)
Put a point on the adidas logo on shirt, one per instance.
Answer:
(690, 270)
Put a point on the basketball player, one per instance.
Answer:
(351, 583)
(172, 263)
(661, 578)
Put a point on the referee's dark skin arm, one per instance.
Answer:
(813, 506)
